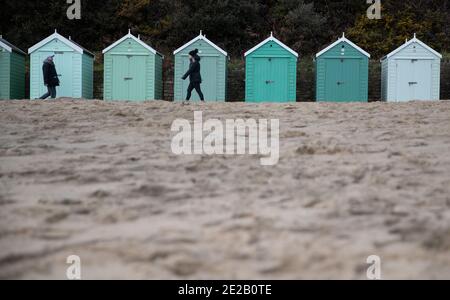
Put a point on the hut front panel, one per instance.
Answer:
(213, 72)
(129, 77)
(68, 65)
(271, 74)
(414, 79)
(129, 72)
(88, 77)
(5, 65)
(414, 74)
(139, 71)
(120, 71)
(342, 75)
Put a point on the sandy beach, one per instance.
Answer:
(99, 180)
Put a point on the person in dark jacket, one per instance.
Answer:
(195, 77)
(50, 78)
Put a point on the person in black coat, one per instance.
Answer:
(50, 78)
(195, 77)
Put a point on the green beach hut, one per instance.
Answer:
(271, 72)
(12, 71)
(74, 64)
(132, 70)
(342, 73)
(213, 70)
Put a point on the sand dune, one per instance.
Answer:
(99, 180)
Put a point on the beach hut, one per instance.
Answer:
(411, 72)
(213, 69)
(342, 73)
(74, 64)
(132, 70)
(271, 72)
(12, 71)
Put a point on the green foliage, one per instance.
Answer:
(236, 25)
(400, 20)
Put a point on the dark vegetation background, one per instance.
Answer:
(236, 26)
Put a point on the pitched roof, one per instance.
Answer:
(10, 47)
(201, 37)
(343, 39)
(414, 40)
(273, 39)
(138, 40)
(59, 37)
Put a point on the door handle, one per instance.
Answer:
(128, 78)
(340, 82)
(269, 81)
(412, 82)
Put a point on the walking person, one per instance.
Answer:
(50, 78)
(195, 77)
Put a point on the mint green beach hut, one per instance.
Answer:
(213, 70)
(271, 72)
(74, 64)
(133, 70)
(342, 73)
(12, 71)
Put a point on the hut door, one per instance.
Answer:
(413, 79)
(120, 85)
(342, 80)
(209, 77)
(278, 85)
(422, 75)
(63, 64)
(137, 79)
(129, 77)
(261, 77)
(208, 71)
(333, 88)
(349, 84)
(270, 79)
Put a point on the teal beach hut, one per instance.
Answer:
(271, 72)
(74, 64)
(213, 70)
(132, 70)
(342, 73)
(12, 71)
(411, 72)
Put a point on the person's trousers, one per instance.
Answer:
(51, 93)
(196, 86)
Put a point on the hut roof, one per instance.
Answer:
(137, 39)
(273, 39)
(10, 47)
(64, 40)
(200, 37)
(407, 43)
(343, 39)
